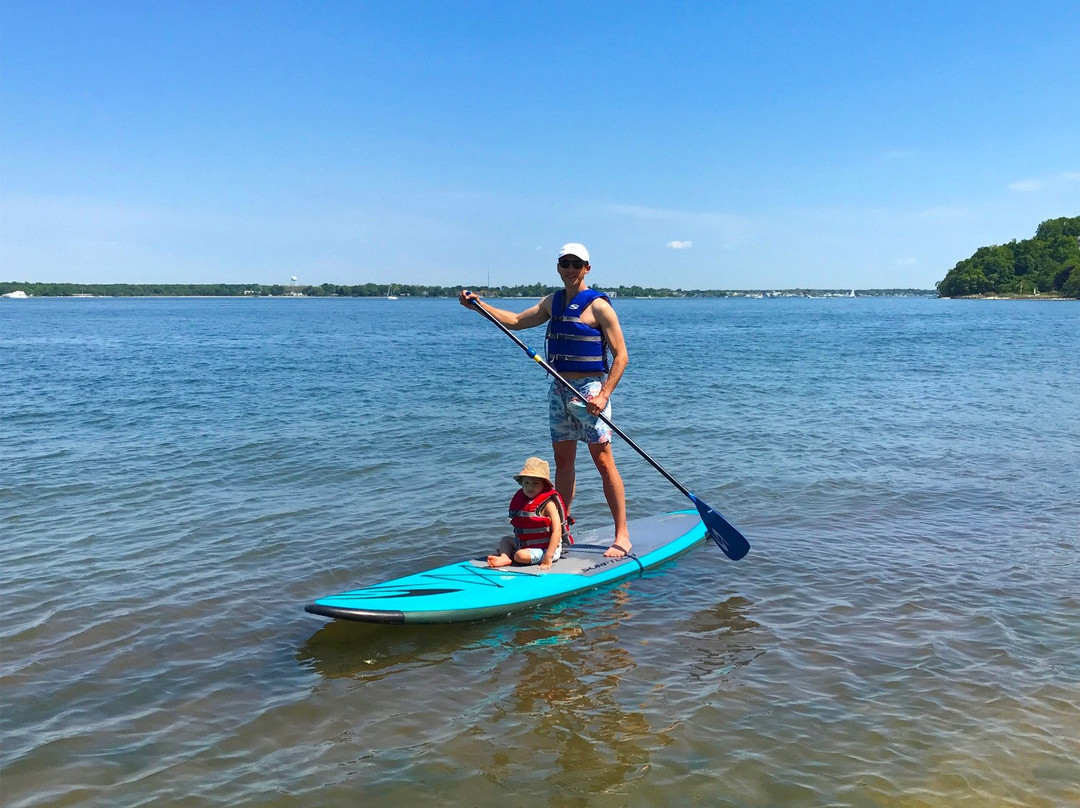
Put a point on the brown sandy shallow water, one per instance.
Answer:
(182, 476)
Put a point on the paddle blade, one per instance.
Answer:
(721, 531)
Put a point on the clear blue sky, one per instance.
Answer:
(689, 145)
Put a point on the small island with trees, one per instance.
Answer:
(1046, 266)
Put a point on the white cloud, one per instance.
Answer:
(1026, 186)
(946, 212)
(731, 230)
(1040, 183)
(680, 245)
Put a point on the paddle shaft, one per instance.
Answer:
(730, 540)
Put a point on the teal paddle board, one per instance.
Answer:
(471, 590)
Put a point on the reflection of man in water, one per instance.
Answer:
(568, 687)
(573, 708)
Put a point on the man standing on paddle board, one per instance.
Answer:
(585, 345)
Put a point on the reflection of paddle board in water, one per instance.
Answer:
(471, 590)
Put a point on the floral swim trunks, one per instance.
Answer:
(567, 416)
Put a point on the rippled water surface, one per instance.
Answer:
(179, 477)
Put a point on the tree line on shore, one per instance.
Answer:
(35, 289)
(1048, 264)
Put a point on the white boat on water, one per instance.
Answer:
(390, 292)
(18, 294)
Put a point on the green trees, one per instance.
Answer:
(1049, 263)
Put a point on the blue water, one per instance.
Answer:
(180, 476)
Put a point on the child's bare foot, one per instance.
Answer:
(501, 560)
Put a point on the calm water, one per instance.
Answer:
(179, 477)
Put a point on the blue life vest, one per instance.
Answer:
(573, 346)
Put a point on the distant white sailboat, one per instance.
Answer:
(852, 293)
(389, 292)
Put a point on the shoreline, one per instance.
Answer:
(18, 294)
(1012, 297)
(736, 296)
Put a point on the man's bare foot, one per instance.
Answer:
(619, 549)
(501, 560)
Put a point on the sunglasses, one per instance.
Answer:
(566, 263)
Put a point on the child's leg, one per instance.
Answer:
(535, 555)
(502, 555)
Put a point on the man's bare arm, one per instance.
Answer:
(515, 321)
(608, 324)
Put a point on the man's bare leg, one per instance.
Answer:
(615, 495)
(565, 476)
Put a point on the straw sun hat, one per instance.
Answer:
(535, 467)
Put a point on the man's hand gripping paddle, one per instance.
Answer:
(719, 529)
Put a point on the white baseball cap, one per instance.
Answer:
(575, 249)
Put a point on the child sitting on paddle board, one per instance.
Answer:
(538, 515)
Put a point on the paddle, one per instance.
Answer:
(720, 530)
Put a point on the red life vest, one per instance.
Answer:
(531, 527)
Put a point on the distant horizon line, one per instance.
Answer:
(379, 288)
